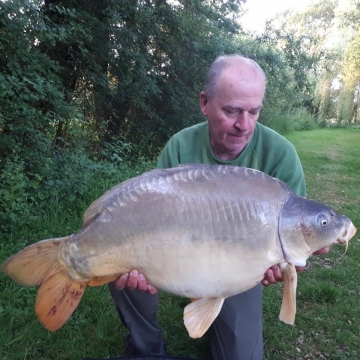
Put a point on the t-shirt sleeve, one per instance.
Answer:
(169, 156)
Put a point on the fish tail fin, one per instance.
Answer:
(33, 264)
(288, 306)
(57, 299)
(58, 295)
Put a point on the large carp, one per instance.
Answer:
(197, 231)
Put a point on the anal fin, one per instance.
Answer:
(101, 280)
(200, 314)
(193, 299)
(57, 298)
(288, 306)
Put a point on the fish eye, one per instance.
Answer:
(322, 219)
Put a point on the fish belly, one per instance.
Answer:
(207, 268)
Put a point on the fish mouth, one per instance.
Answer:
(347, 235)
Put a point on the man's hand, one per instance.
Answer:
(273, 275)
(134, 280)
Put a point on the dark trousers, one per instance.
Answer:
(236, 333)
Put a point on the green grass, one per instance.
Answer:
(327, 324)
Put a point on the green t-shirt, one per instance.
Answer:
(267, 151)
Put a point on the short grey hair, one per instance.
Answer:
(219, 65)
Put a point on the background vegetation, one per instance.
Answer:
(90, 91)
(327, 322)
(88, 85)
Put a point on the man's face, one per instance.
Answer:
(233, 112)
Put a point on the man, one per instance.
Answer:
(231, 101)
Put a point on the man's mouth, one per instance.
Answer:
(239, 136)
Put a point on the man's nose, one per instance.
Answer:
(242, 121)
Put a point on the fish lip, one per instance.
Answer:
(347, 234)
(352, 230)
(342, 241)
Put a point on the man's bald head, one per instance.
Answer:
(247, 68)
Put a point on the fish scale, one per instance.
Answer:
(205, 232)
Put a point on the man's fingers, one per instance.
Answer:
(132, 282)
(272, 276)
(120, 283)
(151, 289)
(141, 283)
(277, 274)
(269, 278)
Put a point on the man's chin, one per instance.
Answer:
(238, 142)
(236, 149)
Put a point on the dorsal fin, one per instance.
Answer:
(182, 173)
(97, 207)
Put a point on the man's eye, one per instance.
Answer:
(232, 112)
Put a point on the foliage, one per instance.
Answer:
(320, 46)
(31, 97)
(111, 82)
(103, 80)
(287, 122)
(288, 68)
(15, 195)
(129, 67)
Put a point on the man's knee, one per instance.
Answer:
(237, 333)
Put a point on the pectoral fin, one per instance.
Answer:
(288, 306)
(200, 314)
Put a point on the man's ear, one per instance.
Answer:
(203, 103)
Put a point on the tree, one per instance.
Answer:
(127, 63)
(351, 64)
(31, 94)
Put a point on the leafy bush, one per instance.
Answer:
(15, 195)
(32, 99)
(286, 122)
(67, 180)
(323, 124)
(280, 122)
(303, 120)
